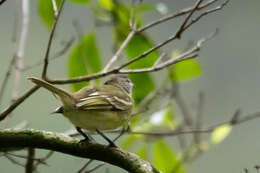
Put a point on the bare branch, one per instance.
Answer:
(180, 31)
(206, 13)
(119, 51)
(55, 56)
(143, 55)
(204, 130)
(95, 168)
(85, 166)
(191, 53)
(55, 8)
(17, 102)
(43, 159)
(2, 1)
(25, 157)
(132, 24)
(14, 161)
(30, 158)
(198, 123)
(187, 117)
(46, 58)
(21, 48)
(6, 78)
(67, 145)
(175, 15)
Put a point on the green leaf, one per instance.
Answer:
(142, 152)
(168, 118)
(46, 12)
(140, 91)
(185, 70)
(80, 1)
(77, 67)
(147, 7)
(84, 59)
(137, 46)
(129, 141)
(165, 159)
(107, 4)
(220, 133)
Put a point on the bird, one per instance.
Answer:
(95, 108)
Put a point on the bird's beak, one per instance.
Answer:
(59, 110)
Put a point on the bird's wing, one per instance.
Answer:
(101, 100)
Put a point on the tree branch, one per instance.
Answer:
(64, 144)
(185, 25)
(2, 1)
(17, 102)
(46, 58)
(21, 48)
(30, 159)
(174, 15)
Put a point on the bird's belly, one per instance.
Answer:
(92, 120)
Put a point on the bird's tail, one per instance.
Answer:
(66, 98)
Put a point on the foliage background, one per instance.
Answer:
(230, 79)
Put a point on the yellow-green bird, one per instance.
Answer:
(92, 108)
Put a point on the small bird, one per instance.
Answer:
(92, 108)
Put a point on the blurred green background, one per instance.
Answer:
(230, 78)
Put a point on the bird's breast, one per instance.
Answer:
(101, 120)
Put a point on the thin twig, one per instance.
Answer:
(15, 23)
(43, 159)
(174, 15)
(198, 122)
(26, 157)
(187, 117)
(46, 58)
(132, 20)
(132, 24)
(117, 69)
(17, 102)
(14, 161)
(55, 56)
(177, 35)
(21, 48)
(95, 168)
(119, 51)
(181, 28)
(85, 166)
(159, 59)
(6, 78)
(180, 131)
(2, 1)
(55, 8)
(206, 13)
(191, 53)
(30, 158)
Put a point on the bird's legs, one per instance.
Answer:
(111, 143)
(86, 138)
(123, 131)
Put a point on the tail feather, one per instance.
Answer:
(66, 98)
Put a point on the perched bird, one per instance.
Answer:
(95, 108)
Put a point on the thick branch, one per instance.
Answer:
(2, 1)
(71, 146)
